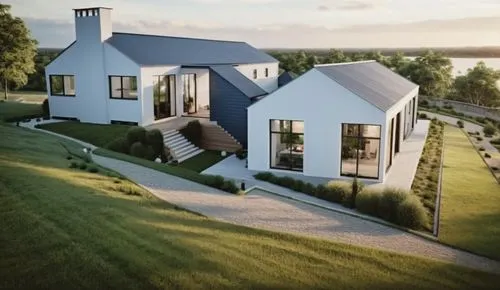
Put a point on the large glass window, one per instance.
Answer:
(123, 87)
(189, 93)
(360, 150)
(62, 85)
(287, 144)
(164, 96)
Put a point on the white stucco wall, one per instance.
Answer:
(270, 83)
(202, 85)
(323, 105)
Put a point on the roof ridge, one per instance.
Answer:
(179, 37)
(344, 63)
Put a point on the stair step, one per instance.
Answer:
(169, 133)
(179, 145)
(182, 150)
(190, 155)
(178, 142)
(172, 139)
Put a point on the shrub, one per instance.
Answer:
(138, 149)
(489, 129)
(309, 189)
(479, 139)
(69, 157)
(82, 165)
(266, 176)
(128, 190)
(119, 145)
(423, 116)
(299, 185)
(45, 107)
(424, 103)
(136, 134)
(286, 181)
(449, 107)
(389, 202)
(477, 133)
(241, 154)
(154, 138)
(230, 186)
(486, 155)
(93, 169)
(411, 213)
(367, 201)
(339, 192)
(217, 181)
(482, 148)
(481, 120)
(494, 168)
(192, 132)
(460, 124)
(73, 164)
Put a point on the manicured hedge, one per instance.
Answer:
(393, 205)
(192, 132)
(140, 143)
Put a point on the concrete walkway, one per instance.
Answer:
(263, 210)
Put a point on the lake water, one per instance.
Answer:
(460, 65)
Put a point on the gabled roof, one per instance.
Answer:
(285, 77)
(152, 50)
(371, 81)
(237, 79)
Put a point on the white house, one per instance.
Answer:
(334, 121)
(106, 77)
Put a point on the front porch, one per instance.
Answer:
(175, 123)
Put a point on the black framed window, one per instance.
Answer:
(123, 87)
(287, 144)
(164, 96)
(267, 72)
(255, 73)
(360, 152)
(62, 85)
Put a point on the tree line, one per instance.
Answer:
(431, 70)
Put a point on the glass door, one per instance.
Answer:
(189, 93)
(164, 96)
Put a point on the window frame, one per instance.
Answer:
(63, 86)
(288, 133)
(266, 72)
(121, 87)
(255, 74)
(359, 138)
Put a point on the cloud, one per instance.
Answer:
(457, 32)
(352, 5)
(323, 8)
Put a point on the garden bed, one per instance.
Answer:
(425, 184)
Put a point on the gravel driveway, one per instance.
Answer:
(262, 210)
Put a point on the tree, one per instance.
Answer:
(17, 50)
(397, 62)
(378, 56)
(336, 56)
(432, 72)
(478, 86)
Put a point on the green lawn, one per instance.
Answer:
(9, 110)
(470, 210)
(96, 134)
(68, 229)
(26, 96)
(202, 161)
(427, 176)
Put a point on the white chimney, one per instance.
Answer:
(93, 25)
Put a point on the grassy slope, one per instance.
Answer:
(427, 175)
(96, 134)
(27, 96)
(470, 212)
(62, 228)
(14, 109)
(202, 161)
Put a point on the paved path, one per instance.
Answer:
(262, 210)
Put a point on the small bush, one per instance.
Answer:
(449, 107)
(479, 139)
(136, 134)
(489, 129)
(411, 213)
(241, 154)
(486, 155)
(477, 133)
(217, 181)
(482, 148)
(69, 157)
(45, 107)
(192, 132)
(298, 185)
(309, 189)
(389, 202)
(230, 186)
(423, 116)
(368, 201)
(265, 176)
(339, 192)
(119, 145)
(424, 103)
(128, 190)
(138, 149)
(82, 165)
(494, 168)
(460, 124)
(73, 164)
(93, 169)
(154, 138)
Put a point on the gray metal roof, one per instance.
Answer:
(152, 50)
(371, 81)
(237, 79)
(285, 77)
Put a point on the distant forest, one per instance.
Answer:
(458, 52)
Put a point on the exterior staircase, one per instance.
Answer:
(214, 137)
(180, 148)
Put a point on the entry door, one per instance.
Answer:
(189, 93)
(164, 96)
(398, 133)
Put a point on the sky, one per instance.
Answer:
(282, 23)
